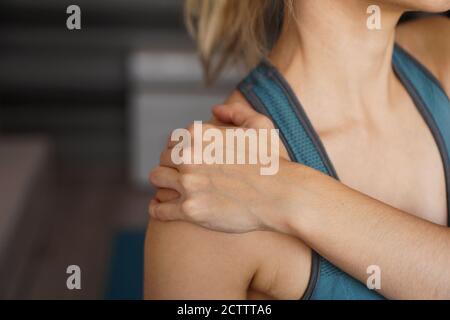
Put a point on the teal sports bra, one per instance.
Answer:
(269, 93)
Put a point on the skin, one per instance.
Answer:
(397, 224)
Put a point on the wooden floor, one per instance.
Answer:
(73, 222)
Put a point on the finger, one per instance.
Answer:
(179, 138)
(188, 138)
(166, 159)
(174, 140)
(237, 114)
(164, 177)
(164, 195)
(167, 211)
(241, 115)
(151, 205)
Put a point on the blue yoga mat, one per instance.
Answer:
(126, 268)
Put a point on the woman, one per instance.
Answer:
(368, 115)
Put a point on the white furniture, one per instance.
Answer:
(167, 93)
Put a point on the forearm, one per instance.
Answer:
(354, 231)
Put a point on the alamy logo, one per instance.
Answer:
(374, 280)
(74, 280)
(74, 20)
(374, 20)
(210, 146)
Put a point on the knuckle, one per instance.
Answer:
(191, 127)
(150, 206)
(153, 175)
(189, 208)
(207, 126)
(193, 182)
(236, 105)
(187, 181)
(170, 144)
(163, 156)
(166, 157)
(157, 211)
(169, 139)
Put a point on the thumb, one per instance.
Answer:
(241, 115)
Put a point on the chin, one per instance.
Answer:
(432, 6)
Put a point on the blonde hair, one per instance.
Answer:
(233, 31)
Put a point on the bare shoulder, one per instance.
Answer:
(184, 261)
(428, 40)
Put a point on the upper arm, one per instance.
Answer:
(184, 261)
(428, 40)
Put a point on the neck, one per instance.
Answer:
(327, 45)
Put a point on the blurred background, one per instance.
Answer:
(83, 116)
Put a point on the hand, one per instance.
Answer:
(225, 197)
(242, 115)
